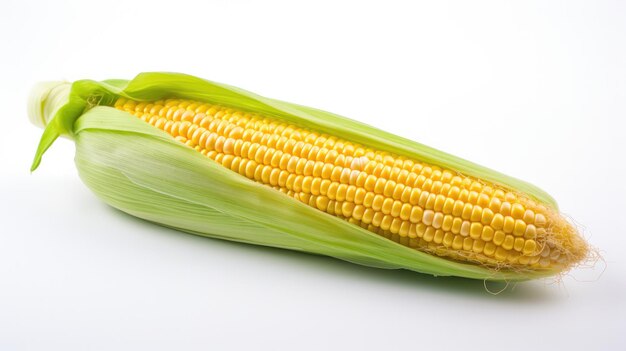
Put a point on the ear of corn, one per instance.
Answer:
(148, 172)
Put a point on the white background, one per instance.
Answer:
(533, 89)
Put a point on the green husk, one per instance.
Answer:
(143, 171)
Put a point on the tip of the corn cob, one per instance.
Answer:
(564, 244)
(45, 99)
(561, 244)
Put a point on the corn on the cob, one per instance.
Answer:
(449, 216)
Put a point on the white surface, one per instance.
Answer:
(533, 89)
